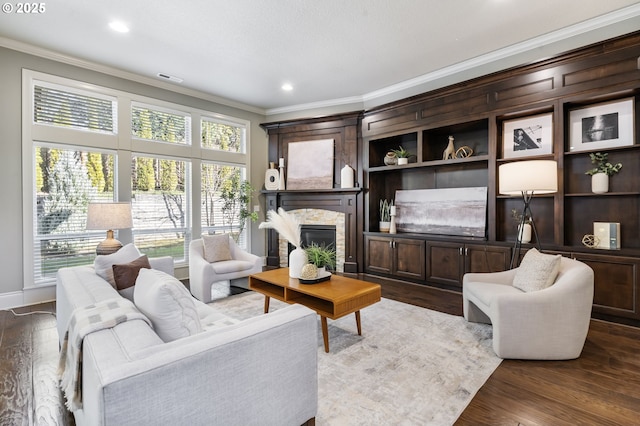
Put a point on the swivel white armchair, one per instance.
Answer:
(548, 324)
(202, 274)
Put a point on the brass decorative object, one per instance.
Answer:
(464, 152)
(590, 240)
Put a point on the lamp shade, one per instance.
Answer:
(107, 216)
(539, 176)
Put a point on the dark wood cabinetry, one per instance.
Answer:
(447, 262)
(475, 114)
(402, 257)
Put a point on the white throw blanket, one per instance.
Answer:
(85, 320)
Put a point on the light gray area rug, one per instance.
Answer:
(411, 366)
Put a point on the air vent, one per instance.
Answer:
(170, 77)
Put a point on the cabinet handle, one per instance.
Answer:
(390, 243)
(466, 251)
(460, 251)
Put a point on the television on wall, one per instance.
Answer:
(446, 211)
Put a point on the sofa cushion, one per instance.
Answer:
(230, 266)
(167, 303)
(216, 248)
(537, 271)
(125, 275)
(103, 264)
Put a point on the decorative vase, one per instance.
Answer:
(297, 259)
(385, 226)
(402, 161)
(272, 178)
(281, 185)
(524, 235)
(392, 224)
(346, 177)
(390, 159)
(600, 183)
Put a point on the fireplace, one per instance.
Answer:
(316, 211)
(322, 235)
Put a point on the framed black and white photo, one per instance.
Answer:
(599, 126)
(529, 136)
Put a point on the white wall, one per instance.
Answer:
(11, 64)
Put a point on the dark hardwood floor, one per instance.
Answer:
(602, 387)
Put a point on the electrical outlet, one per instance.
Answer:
(256, 208)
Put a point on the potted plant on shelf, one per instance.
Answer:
(524, 226)
(600, 174)
(385, 215)
(403, 155)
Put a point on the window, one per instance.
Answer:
(66, 108)
(77, 152)
(222, 194)
(66, 180)
(160, 206)
(155, 124)
(222, 136)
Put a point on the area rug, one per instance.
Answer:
(411, 366)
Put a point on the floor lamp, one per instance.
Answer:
(526, 178)
(109, 216)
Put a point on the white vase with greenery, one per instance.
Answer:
(600, 174)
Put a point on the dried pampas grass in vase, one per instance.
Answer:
(288, 227)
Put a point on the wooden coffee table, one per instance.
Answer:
(333, 299)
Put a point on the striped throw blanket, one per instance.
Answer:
(85, 320)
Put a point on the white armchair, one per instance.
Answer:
(202, 274)
(548, 324)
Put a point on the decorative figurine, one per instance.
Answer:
(450, 151)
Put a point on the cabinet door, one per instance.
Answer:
(379, 257)
(615, 289)
(444, 263)
(482, 258)
(409, 258)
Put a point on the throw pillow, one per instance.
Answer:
(537, 271)
(216, 248)
(103, 264)
(125, 274)
(167, 303)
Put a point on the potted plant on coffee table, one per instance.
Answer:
(600, 174)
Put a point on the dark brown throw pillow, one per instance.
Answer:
(125, 274)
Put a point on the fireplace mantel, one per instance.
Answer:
(337, 199)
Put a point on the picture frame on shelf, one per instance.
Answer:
(603, 125)
(528, 136)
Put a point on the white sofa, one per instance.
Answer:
(548, 324)
(202, 274)
(261, 371)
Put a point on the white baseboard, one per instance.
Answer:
(29, 296)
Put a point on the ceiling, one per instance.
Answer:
(333, 52)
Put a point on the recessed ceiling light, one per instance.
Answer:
(287, 87)
(119, 26)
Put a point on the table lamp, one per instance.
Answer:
(526, 178)
(109, 216)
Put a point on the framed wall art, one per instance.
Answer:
(310, 165)
(605, 125)
(529, 136)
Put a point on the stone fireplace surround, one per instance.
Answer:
(317, 217)
(321, 207)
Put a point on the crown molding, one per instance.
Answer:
(400, 89)
(116, 72)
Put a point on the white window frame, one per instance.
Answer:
(124, 144)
